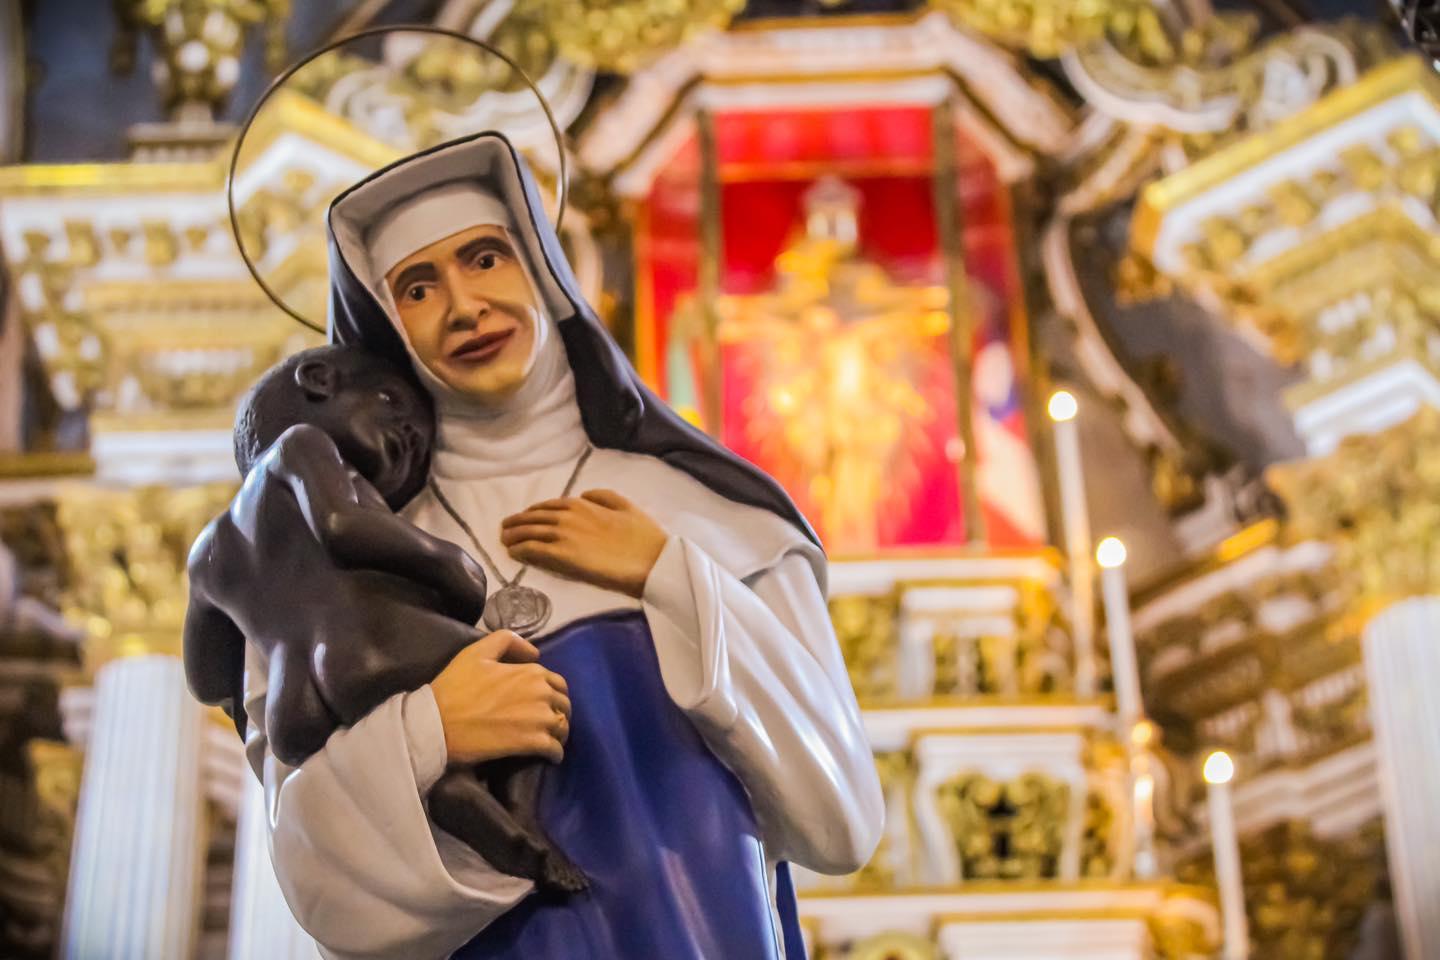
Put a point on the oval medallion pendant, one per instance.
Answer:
(518, 608)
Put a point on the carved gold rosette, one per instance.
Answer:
(620, 35)
(1377, 498)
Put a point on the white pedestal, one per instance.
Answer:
(138, 856)
(1402, 660)
(1043, 939)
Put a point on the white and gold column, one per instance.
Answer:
(137, 860)
(261, 924)
(1402, 663)
(1380, 515)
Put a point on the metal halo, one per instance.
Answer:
(562, 179)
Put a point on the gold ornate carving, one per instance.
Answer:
(57, 767)
(865, 627)
(621, 35)
(1377, 498)
(1406, 300)
(1180, 937)
(437, 86)
(1097, 843)
(1229, 673)
(1006, 830)
(1167, 83)
(893, 946)
(1033, 659)
(67, 338)
(896, 770)
(37, 821)
(1305, 895)
(126, 553)
(1332, 265)
(156, 346)
(198, 45)
(1210, 80)
(272, 213)
(1048, 28)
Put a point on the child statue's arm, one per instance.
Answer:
(213, 646)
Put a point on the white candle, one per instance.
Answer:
(1142, 795)
(1125, 671)
(1144, 790)
(1076, 519)
(1219, 768)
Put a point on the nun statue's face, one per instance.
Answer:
(469, 311)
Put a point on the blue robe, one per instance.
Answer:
(662, 829)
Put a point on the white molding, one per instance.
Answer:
(838, 57)
(893, 728)
(1183, 224)
(1369, 404)
(169, 457)
(1234, 577)
(879, 576)
(1335, 796)
(1124, 938)
(840, 919)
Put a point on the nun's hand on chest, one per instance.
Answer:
(598, 537)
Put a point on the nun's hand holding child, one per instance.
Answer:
(496, 700)
(599, 537)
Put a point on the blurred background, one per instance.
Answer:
(1100, 339)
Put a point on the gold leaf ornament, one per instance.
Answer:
(621, 35)
(1049, 28)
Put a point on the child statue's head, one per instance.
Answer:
(380, 417)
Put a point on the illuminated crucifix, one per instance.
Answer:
(847, 386)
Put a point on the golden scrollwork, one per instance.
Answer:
(1402, 173)
(892, 946)
(32, 534)
(277, 211)
(56, 767)
(866, 629)
(1210, 79)
(1179, 937)
(1268, 671)
(897, 770)
(1048, 28)
(621, 35)
(97, 348)
(1377, 498)
(125, 556)
(199, 44)
(1006, 830)
(1097, 842)
(1032, 659)
(1305, 895)
(444, 80)
(70, 342)
(1332, 265)
(167, 345)
(37, 822)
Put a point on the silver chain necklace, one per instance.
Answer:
(524, 610)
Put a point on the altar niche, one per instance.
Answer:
(834, 294)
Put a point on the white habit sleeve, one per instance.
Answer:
(359, 863)
(756, 667)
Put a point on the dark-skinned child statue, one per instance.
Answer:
(332, 441)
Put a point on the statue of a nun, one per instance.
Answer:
(712, 735)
